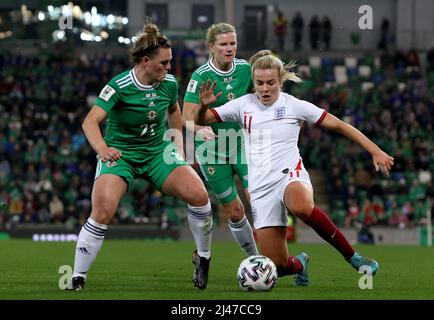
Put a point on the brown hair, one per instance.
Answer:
(265, 59)
(148, 42)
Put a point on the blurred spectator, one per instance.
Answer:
(326, 31)
(368, 215)
(16, 207)
(280, 25)
(407, 211)
(421, 211)
(187, 60)
(412, 58)
(430, 59)
(378, 208)
(385, 35)
(314, 32)
(297, 25)
(339, 191)
(56, 209)
(365, 235)
(5, 167)
(43, 152)
(353, 215)
(393, 215)
(362, 177)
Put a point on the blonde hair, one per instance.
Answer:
(218, 28)
(148, 42)
(265, 59)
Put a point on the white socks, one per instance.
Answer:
(200, 223)
(243, 234)
(88, 245)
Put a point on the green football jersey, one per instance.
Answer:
(234, 83)
(136, 114)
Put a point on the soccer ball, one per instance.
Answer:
(257, 273)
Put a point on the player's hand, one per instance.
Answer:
(207, 96)
(109, 154)
(206, 133)
(383, 162)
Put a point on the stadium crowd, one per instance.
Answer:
(47, 167)
(396, 112)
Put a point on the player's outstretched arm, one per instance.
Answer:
(93, 134)
(381, 160)
(188, 112)
(207, 97)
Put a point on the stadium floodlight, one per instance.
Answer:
(110, 19)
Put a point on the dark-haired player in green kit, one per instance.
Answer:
(218, 161)
(136, 104)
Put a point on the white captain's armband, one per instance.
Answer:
(106, 93)
(192, 85)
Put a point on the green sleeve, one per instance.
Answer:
(192, 92)
(108, 96)
(249, 75)
(175, 94)
(250, 89)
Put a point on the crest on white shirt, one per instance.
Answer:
(279, 112)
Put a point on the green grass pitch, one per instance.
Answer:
(160, 270)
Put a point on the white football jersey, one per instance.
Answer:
(270, 134)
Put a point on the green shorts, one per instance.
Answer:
(154, 169)
(220, 178)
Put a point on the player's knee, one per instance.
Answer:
(101, 218)
(102, 214)
(198, 198)
(302, 210)
(234, 210)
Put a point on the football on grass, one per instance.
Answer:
(257, 273)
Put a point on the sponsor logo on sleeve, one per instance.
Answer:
(192, 85)
(106, 93)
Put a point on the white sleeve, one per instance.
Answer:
(309, 112)
(230, 111)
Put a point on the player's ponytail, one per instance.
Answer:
(265, 59)
(258, 55)
(148, 42)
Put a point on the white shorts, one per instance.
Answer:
(268, 207)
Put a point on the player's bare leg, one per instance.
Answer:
(184, 183)
(107, 191)
(299, 200)
(272, 241)
(247, 194)
(240, 226)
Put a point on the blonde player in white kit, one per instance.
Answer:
(278, 181)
